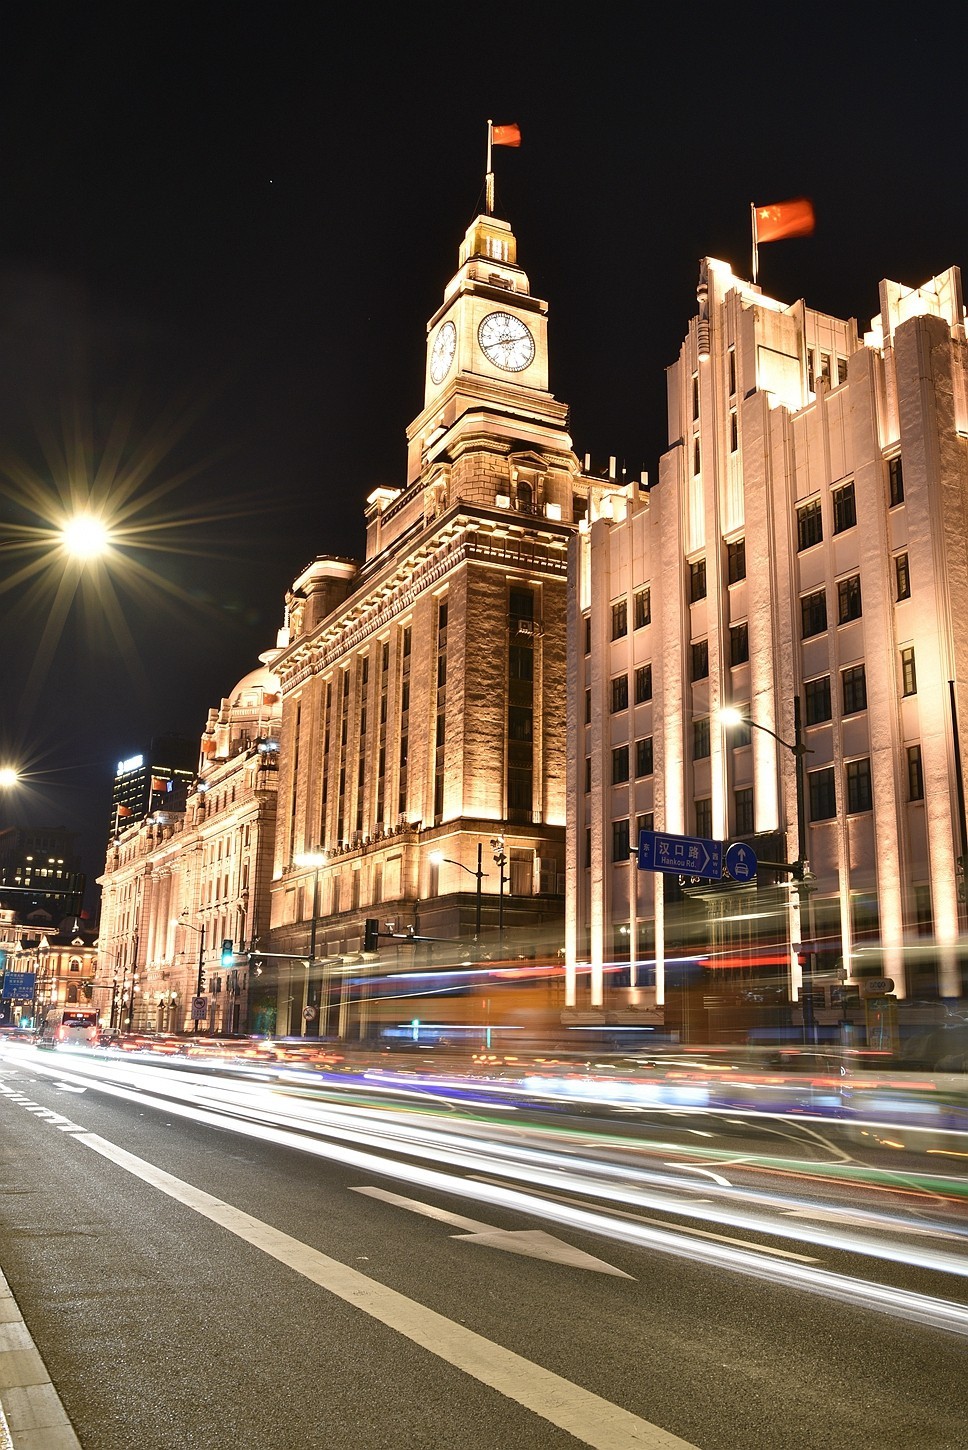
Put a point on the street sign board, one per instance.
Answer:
(199, 1009)
(741, 861)
(684, 855)
(876, 986)
(18, 986)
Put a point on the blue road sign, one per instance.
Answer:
(741, 861)
(18, 986)
(683, 855)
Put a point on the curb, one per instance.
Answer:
(31, 1414)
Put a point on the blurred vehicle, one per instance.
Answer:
(69, 1027)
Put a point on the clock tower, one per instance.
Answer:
(487, 372)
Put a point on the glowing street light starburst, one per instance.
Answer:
(85, 537)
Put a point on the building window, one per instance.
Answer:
(848, 599)
(695, 457)
(865, 918)
(739, 644)
(736, 561)
(620, 841)
(697, 580)
(902, 577)
(923, 918)
(643, 756)
(643, 684)
(915, 773)
(823, 795)
(695, 396)
(588, 707)
(909, 679)
(809, 525)
(704, 817)
(845, 508)
(643, 607)
(859, 797)
(895, 482)
(620, 693)
(732, 371)
(588, 773)
(700, 738)
(733, 432)
(620, 764)
(854, 682)
(588, 634)
(743, 811)
(813, 614)
(700, 659)
(817, 699)
(841, 370)
(645, 822)
(620, 619)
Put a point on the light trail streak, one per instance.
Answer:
(247, 1104)
(918, 1308)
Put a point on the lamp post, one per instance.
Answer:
(316, 859)
(500, 860)
(200, 979)
(440, 859)
(798, 868)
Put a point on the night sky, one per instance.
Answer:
(223, 228)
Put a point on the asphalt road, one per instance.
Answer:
(215, 1283)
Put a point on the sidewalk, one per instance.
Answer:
(31, 1415)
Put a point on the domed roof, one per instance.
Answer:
(252, 687)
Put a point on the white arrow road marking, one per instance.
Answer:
(589, 1418)
(535, 1243)
(682, 1228)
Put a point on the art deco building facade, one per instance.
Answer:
(179, 883)
(804, 554)
(424, 690)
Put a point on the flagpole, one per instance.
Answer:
(756, 259)
(489, 176)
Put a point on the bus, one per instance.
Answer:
(67, 1026)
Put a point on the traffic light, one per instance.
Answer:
(371, 935)
(228, 953)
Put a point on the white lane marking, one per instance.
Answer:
(701, 1233)
(534, 1243)
(589, 1418)
(708, 1172)
(895, 1226)
(70, 1087)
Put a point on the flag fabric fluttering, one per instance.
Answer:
(160, 783)
(506, 135)
(124, 810)
(784, 219)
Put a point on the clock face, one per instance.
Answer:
(506, 342)
(442, 354)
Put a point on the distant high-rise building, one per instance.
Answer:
(40, 871)
(156, 780)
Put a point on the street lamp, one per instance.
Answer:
(440, 859)
(200, 981)
(315, 859)
(500, 860)
(729, 716)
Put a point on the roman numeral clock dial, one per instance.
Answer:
(506, 342)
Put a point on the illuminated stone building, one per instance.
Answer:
(804, 551)
(179, 883)
(424, 689)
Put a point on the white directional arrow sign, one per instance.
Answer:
(533, 1242)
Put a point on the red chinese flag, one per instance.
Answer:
(124, 810)
(158, 782)
(784, 219)
(506, 135)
